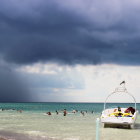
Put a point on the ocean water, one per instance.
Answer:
(34, 124)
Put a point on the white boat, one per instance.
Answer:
(119, 117)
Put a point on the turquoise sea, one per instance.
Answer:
(34, 124)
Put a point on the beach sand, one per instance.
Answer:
(2, 139)
(8, 135)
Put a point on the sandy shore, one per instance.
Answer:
(6, 135)
(2, 139)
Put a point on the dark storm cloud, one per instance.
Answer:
(70, 32)
(11, 87)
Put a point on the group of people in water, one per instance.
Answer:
(18, 110)
(65, 112)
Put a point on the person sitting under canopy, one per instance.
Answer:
(130, 109)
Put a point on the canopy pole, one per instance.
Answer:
(120, 90)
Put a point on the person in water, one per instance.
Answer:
(65, 112)
(49, 113)
(82, 113)
(57, 112)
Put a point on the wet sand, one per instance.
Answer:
(2, 139)
(8, 135)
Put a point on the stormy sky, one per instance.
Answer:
(63, 50)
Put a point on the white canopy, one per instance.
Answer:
(121, 89)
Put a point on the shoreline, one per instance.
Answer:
(3, 138)
(9, 135)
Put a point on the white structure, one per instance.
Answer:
(119, 117)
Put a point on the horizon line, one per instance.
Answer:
(62, 102)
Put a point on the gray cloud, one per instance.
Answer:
(82, 32)
(12, 88)
(53, 87)
(63, 79)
